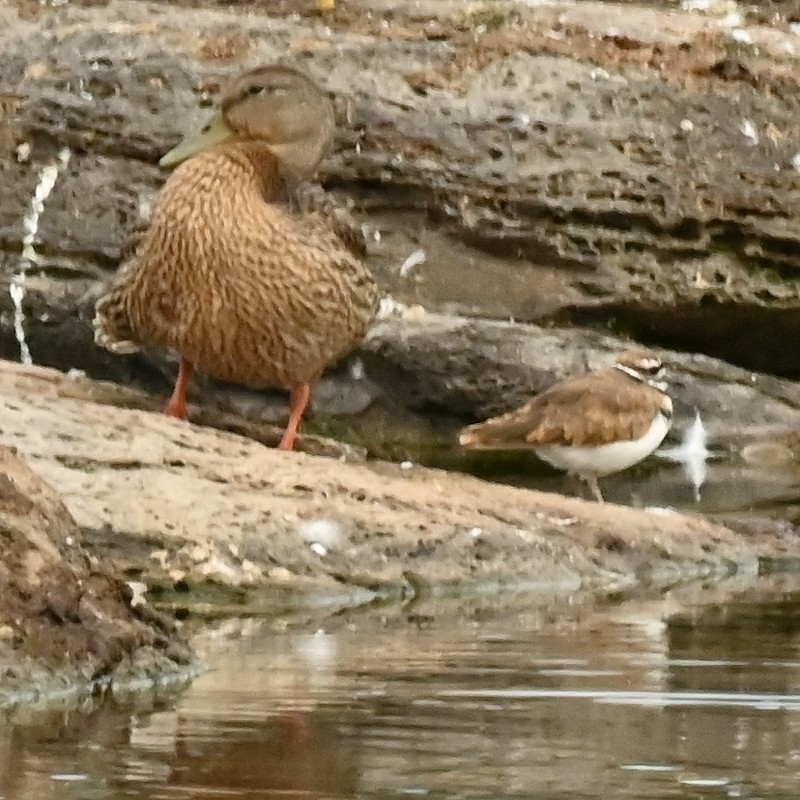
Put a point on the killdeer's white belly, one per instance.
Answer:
(605, 458)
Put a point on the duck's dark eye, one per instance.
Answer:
(271, 91)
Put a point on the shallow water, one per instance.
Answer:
(641, 699)
(730, 486)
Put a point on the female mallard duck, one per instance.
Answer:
(228, 274)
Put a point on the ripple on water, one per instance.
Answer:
(475, 703)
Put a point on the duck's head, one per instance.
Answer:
(277, 106)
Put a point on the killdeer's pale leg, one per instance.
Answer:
(594, 487)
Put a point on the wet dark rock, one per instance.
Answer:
(64, 617)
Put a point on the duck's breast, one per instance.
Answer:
(251, 292)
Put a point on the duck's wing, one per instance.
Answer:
(112, 328)
(323, 208)
(134, 236)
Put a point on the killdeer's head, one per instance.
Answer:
(645, 366)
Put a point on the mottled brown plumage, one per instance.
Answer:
(230, 273)
(573, 423)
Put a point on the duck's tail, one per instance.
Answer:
(109, 327)
(112, 328)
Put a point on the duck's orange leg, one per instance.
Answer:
(297, 405)
(177, 403)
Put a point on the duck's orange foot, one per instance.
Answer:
(176, 410)
(176, 407)
(297, 405)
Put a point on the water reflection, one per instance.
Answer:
(294, 754)
(730, 485)
(644, 699)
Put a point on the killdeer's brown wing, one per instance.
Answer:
(589, 410)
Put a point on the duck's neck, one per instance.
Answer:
(293, 163)
(299, 160)
(261, 168)
(208, 189)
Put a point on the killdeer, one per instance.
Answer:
(588, 425)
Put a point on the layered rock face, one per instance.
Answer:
(621, 167)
